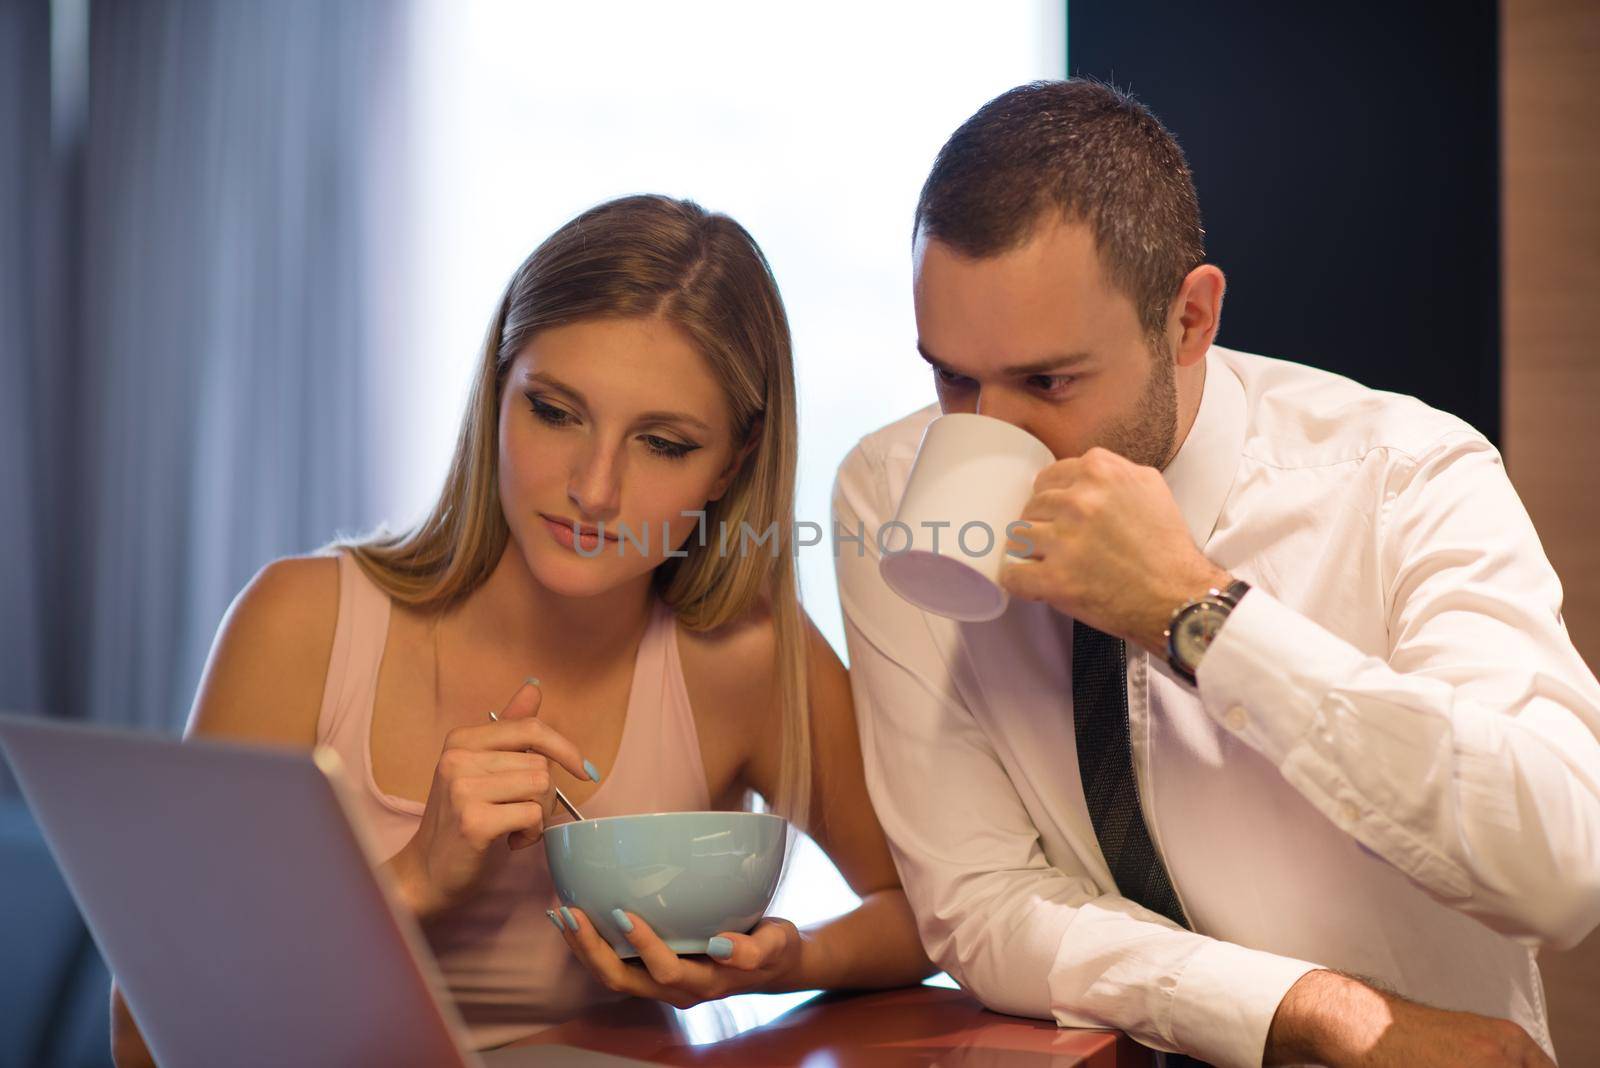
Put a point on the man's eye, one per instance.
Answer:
(1049, 383)
(949, 378)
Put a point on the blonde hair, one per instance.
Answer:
(643, 256)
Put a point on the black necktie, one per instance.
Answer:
(1105, 764)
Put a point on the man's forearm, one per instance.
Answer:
(1334, 1019)
(1415, 767)
(1323, 1012)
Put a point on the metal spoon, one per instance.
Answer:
(559, 795)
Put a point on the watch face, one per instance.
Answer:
(1196, 631)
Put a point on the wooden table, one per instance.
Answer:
(922, 1025)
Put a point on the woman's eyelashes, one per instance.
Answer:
(555, 416)
(672, 450)
(547, 412)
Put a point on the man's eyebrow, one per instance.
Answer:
(1048, 365)
(545, 379)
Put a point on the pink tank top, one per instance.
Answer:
(507, 967)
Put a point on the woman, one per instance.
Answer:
(593, 573)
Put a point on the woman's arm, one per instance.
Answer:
(128, 1049)
(873, 945)
(262, 683)
(876, 943)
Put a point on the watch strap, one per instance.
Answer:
(1234, 592)
(1227, 599)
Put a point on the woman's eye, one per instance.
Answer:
(949, 378)
(672, 450)
(554, 416)
(549, 413)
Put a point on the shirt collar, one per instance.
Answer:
(1202, 472)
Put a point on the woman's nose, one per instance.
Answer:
(595, 486)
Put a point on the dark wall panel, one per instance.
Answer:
(1346, 157)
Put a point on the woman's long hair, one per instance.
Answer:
(643, 256)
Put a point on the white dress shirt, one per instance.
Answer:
(1391, 768)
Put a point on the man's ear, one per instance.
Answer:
(725, 479)
(1197, 313)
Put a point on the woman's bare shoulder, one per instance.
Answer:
(736, 664)
(264, 678)
(735, 660)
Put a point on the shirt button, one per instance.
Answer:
(1348, 812)
(1235, 718)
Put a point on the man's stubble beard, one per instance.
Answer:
(1146, 435)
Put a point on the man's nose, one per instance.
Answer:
(595, 485)
(996, 404)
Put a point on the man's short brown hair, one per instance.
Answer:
(1082, 151)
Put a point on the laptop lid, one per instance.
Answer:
(232, 897)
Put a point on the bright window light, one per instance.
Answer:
(812, 124)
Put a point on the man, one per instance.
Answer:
(1344, 840)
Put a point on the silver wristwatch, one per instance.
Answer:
(1195, 625)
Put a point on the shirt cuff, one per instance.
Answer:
(1266, 674)
(1226, 998)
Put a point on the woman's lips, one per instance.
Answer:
(563, 534)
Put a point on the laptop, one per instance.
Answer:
(235, 900)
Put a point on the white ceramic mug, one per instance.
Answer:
(944, 549)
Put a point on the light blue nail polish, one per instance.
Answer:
(719, 947)
(555, 919)
(622, 920)
(530, 681)
(594, 772)
(572, 923)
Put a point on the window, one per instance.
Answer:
(814, 125)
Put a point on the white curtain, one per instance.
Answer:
(203, 405)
